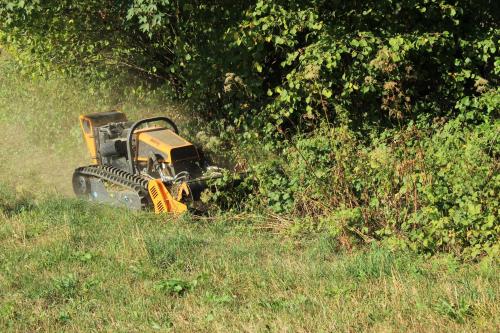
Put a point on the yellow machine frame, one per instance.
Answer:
(163, 201)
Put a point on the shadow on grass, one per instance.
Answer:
(11, 204)
(166, 251)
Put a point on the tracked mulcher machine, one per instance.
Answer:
(141, 165)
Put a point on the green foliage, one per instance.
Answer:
(272, 66)
(457, 312)
(430, 188)
(358, 64)
(229, 192)
(377, 263)
(458, 191)
(63, 36)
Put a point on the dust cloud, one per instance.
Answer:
(32, 168)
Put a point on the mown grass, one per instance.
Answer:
(67, 265)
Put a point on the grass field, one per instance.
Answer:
(67, 265)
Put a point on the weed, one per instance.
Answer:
(457, 311)
(84, 257)
(379, 262)
(174, 286)
(12, 204)
(216, 299)
(341, 291)
(65, 287)
(7, 311)
(274, 304)
(64, 317)
(165, 324)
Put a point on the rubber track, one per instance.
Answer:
(118, 177)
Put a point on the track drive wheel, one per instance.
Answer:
(81, 185)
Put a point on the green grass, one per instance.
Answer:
(67, 265)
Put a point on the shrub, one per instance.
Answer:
(431, 188)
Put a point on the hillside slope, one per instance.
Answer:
(66, 265)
